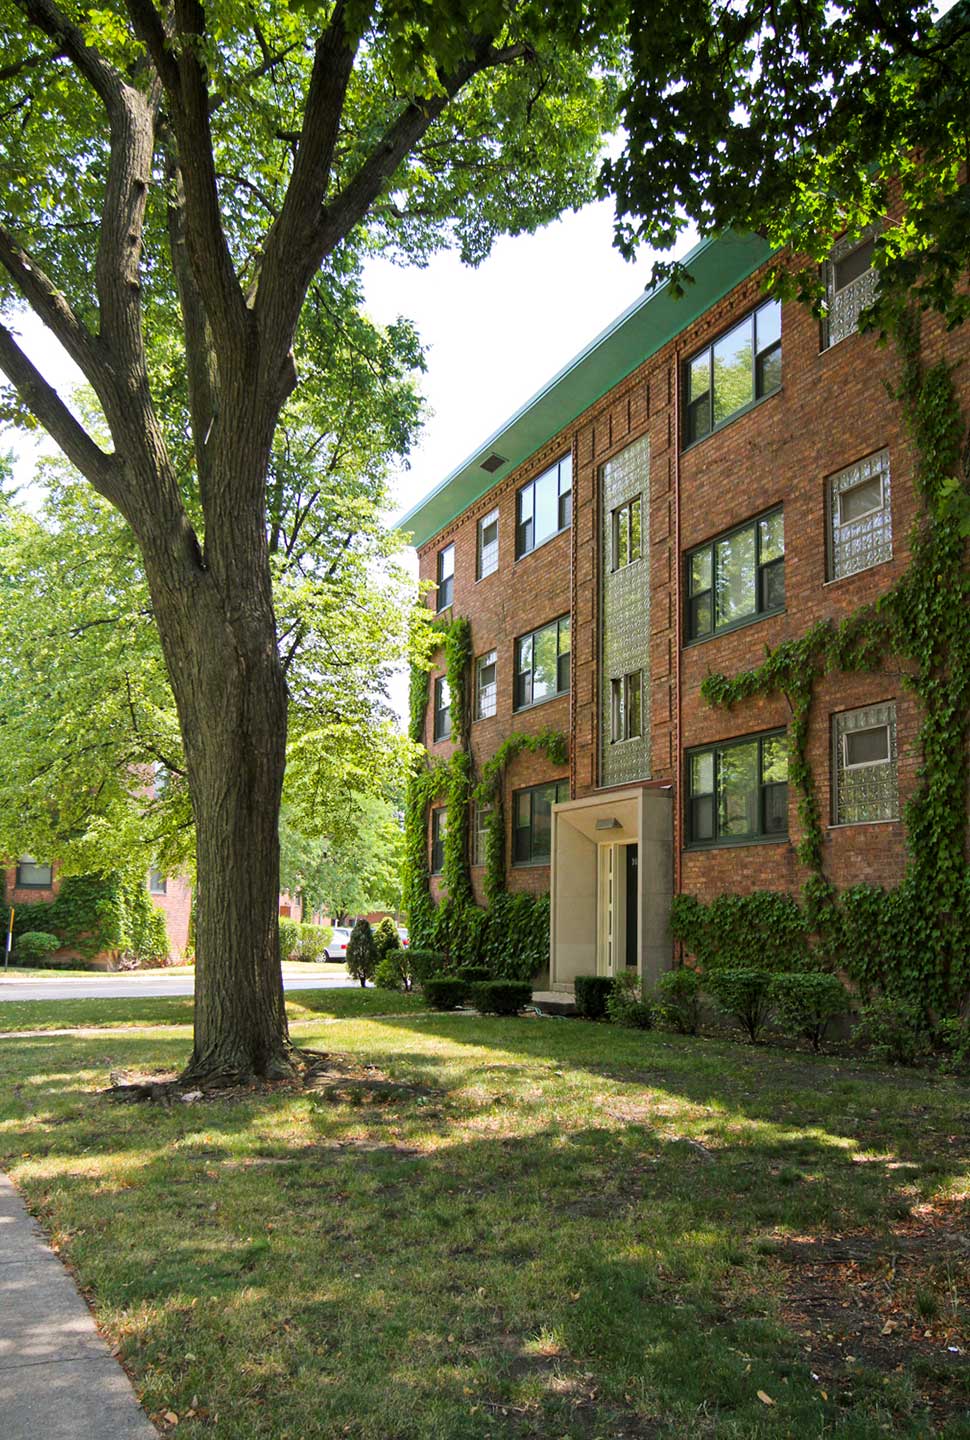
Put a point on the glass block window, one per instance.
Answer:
(865, 765)
(737, 791)
(446, 577)
(442, 708)
(485, 685)
(626, 692)
(157, 884)
(851, 286)
(31, 876)
(488, 545)
(479, 830)
(741, 367)
(736, 577)
(544, 506)
(860, 521)
(542, 664)
(439, 826)
(627, 539)
(532, 822)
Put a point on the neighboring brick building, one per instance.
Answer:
(708, 478)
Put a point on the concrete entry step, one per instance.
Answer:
(555, 1002)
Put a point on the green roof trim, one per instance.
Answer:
(654, 319)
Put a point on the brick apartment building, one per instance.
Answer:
(709, 477)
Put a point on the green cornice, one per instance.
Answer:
(654, 319)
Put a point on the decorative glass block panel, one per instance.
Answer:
(625, 612)
(860, 516)
(865, 764)
(851, 286)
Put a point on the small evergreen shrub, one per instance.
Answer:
(361, 954)
(394, 971)
(894, 1030)
(289, 939)
(591, 995)
(679, 999)
(34, 946)
(473, 974)
(745, 994)
(312, 942)
(805, 1003)
(386, 938)
(953, 1036)
(500, 997)
(426, 964)
(625, 1004)
(444, 992)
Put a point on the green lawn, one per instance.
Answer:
(525, 1228)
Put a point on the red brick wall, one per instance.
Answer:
(176, 906)
(19, 896)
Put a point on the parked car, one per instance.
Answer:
(337, 945)
(403, 936)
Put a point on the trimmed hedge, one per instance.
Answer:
(426, 964)
(444, 992)
(806, 1002)
(500, 997)
(34, 947)
(592, 992)
(745, 994)
(473, 974)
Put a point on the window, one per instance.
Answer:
(738, 791)
(626, 534)
(532, 822)
(626, 693)
(31, 876)
(439, 828)
(737, 577)
(544, 507)
(860, 523)
(488, 545)
(485, 671)
(864, 765)
(446, 577)
(741, 367)
(157, 884)
(442, 708)
(851, 286)
(542, 664)
(481, 815)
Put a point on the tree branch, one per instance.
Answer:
(50, 306)
(45, 403)
(101, 76)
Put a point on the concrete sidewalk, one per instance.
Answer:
(58, 1378)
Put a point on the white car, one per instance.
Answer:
(337, 944)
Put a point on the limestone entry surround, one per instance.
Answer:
(589, 905)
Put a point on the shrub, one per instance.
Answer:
(425, 964)
(500, 997)
(312, 942)
(289, 938)
(625, 1004)
(953, 1036)
(473, 974)
(805, 1003)
(444, 992)
(386, 938)
(894, 1030)
(591, 995)
(679, 999)
(33, 947)
(394, 971)
(361, 955)
(743, 993)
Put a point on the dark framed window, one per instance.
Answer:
(532, 822)
(739, 368)
(446, 577)
(442, 708)
(542, 664)
(157, 884)
(439, 828)
(485, 685)
(737, 791)
(544, 507)
(626, 706)
(31, 876)
(488, 545)
(736, 577)
(627, 542)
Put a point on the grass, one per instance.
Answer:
(16, 1015)
(60, 972)
(532, 1229)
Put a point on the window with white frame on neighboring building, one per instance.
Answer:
(485, 685)
(860, 520)
(626, 698)
(157, 884)
(446, 577)
(32, 876)
(488, 544)
(542, 664)
(865, 764)
(851, 286)
(442, 708)
(544, 507)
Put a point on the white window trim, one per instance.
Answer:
(866, 764)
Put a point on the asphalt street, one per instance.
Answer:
(146, 983)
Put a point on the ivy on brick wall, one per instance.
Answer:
(96, 914)
(912, 941)
(512, 935)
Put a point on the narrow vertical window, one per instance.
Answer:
(439, 826)
(544, 507)
(485, 685)
(488, 545)
(626, 693)
(626, 534)
(446, 577)
(442, 708)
